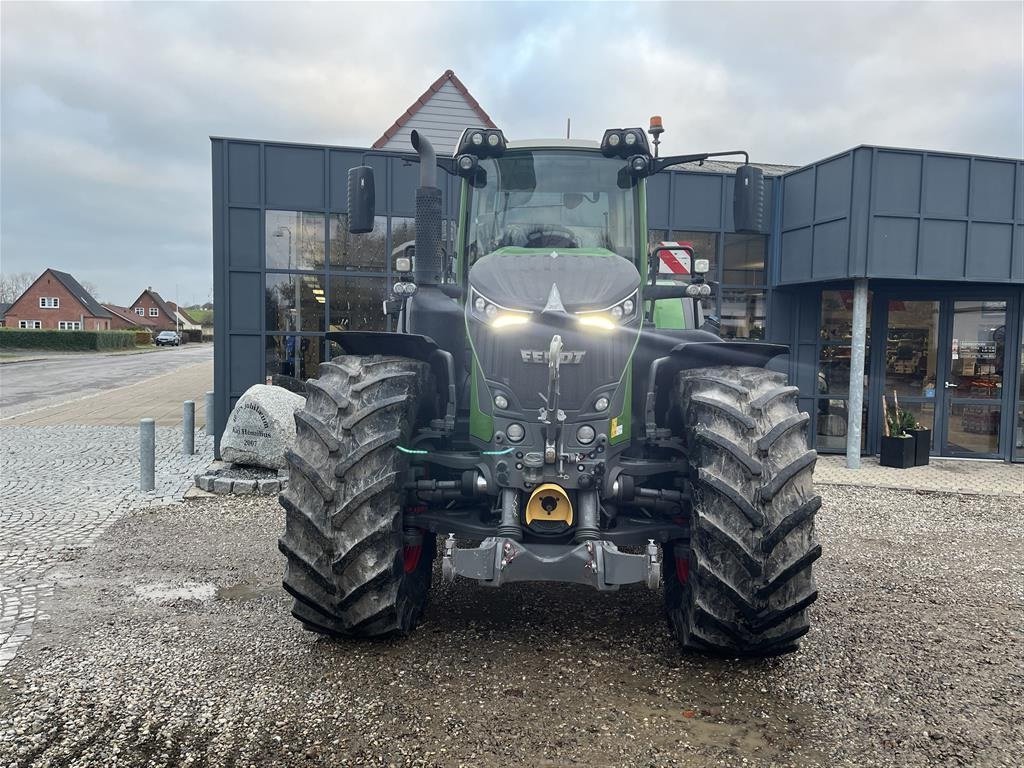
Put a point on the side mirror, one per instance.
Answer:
(748, 201)
(360, 199)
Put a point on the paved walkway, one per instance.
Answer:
(951, 475)
(159, 398)
(69, 470)
(60, 488)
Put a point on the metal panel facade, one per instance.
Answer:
(902, 214)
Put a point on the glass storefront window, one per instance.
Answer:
(834, 369)
(1018, 430)
(357, 303)
(295, 240)
(297, 357)
(973, 428)
(295, 302)
(743, 260)
(911, 348)
(978, 348)
(837, 315)
(831, 429)
(363, 253)
(742, 315)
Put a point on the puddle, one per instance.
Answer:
(168, 592)
(243, 591)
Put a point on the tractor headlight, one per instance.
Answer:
(705, 290)
(493, 314)
(693, 290)
(607, 319)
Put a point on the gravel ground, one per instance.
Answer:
(171, 644)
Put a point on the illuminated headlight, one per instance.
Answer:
(500, 401)
(585, 434)
(495, 315)
(515, 433)
(601, 404)
(705, 290)
(607, 319)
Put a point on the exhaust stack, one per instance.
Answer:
(429, 267)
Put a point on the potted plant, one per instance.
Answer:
(899, 448)
(922, 444)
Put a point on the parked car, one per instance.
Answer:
(168, 339)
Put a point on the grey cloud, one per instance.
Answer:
(106, 108)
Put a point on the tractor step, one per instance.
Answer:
(500, 560)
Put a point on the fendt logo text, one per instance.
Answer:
(543, 356)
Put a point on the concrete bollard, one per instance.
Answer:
(188, 427)
(147, 454)
(208, 414)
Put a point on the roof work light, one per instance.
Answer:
(625, 142)
(481, 142)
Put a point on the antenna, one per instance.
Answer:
(568, 127)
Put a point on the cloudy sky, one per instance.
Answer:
(107, 108)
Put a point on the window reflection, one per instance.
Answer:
(742, 314)
(911, 347)
(357, 304)
(295, 302)
(832, 420)
(364, 253)
(295, 240)
(978, 348)
(743, 260)
(837, 315)
(973, 428)
(296, 357)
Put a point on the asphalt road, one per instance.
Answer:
(32, 384)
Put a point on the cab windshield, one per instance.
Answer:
(550, 199)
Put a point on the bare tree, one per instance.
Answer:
(90, 288)
(13, 284)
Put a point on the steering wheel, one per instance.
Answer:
(551, 236)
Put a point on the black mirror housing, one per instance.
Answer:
(659, 292)
(749, 201)
(360, 200)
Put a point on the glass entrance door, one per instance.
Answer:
(971, 388)
(944, 360)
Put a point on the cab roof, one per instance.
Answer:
(554, 144)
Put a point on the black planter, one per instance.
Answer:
(922, 445)
(898, 452)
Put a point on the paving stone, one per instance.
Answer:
(269, 487)
(61, 486)
(222, 485)
(205, 483)
(244, 486)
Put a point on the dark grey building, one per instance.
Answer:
(935, 241)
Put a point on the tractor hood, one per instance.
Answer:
(587, 278)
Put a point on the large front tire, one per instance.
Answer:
(743, 584)
(349, 567)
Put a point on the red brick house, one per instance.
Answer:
(124, 319)
(56, 301)
(151, 306)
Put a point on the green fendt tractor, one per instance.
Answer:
(550, 409)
